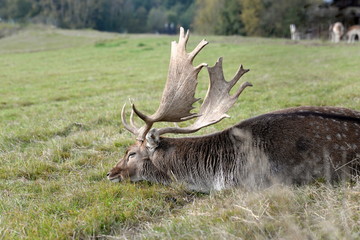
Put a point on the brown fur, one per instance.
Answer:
(293, 146)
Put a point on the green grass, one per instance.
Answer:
(61, 94)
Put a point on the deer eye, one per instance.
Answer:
(131, 155)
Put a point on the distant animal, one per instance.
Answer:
(336, 31)
(292, 146)
(295, 35)
(353, 34)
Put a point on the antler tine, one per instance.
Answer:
(141, 132)
(132, 123)
(183, 37)
(131, 128)
(144, 117)
(241, 89)
(197, 49)
(241, 71)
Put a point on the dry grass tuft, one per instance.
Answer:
(279, 212)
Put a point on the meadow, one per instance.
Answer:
(61, 94)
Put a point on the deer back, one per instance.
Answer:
(307, 143)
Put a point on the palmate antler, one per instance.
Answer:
(178, 96)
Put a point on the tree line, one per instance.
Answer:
(269, 18)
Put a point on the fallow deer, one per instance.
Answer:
(295, 34)
(291, 146)
(353, 34)
(336, 31)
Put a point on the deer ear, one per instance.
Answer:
(152, 139)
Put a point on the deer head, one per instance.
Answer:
(175, 106)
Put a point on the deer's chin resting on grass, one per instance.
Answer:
(291, 146)
(115, 179)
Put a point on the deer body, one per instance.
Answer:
(291, 146)
(295, 35)
(295, 145)
(353, 34)
(336, 31)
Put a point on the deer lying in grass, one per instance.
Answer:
(295, 145)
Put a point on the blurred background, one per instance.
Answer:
(265, 18)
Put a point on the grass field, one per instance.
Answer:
(61, 94)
